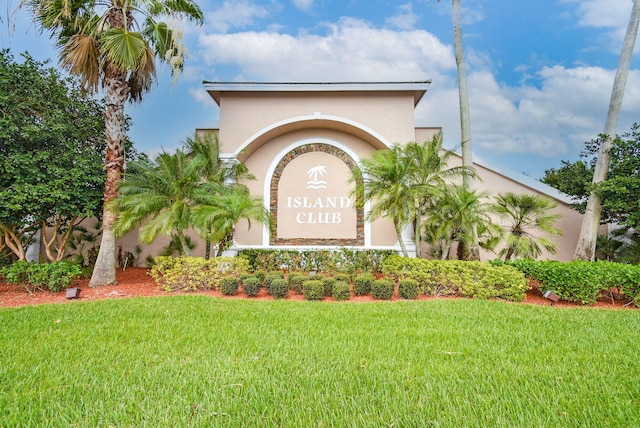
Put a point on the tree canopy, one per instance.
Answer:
(51, 145)
(620, 190)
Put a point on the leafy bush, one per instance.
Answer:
(279, 288)
(408, 288)
(313, 289)
(362, 284)
(463, 278)
(328, 284)
(343, 277)
(276, 273)
(195, 273)
(251, 286)
(261, 275)
(581, 281)
(54, 276)
(341, 291)
(270, 277)
(229, 285)
(343, 260)
(382, 289)
(295, 283)
(246, 275)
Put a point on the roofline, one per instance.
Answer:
(419, 88)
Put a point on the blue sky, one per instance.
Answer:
(540, 72)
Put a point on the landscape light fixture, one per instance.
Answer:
(551, 296)
(73, 293)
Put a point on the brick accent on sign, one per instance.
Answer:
(275, 180)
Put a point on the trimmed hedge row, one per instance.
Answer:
(462, 278)
(195, 273)
(581, 281)
(339, 261)
(54, 276)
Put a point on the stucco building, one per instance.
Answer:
(300, 141)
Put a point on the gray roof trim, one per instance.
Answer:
(419, 88)
(530, 182)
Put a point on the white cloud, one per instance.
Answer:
(404, 19)
(350, 50)
(552, 118)
(199, 94)
(602, 13)
(609, 15)
(303, 4)
(234, 14)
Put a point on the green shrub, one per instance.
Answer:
(408, 288)
(195, 273)
(261, 275)
(279, 288)
(582, 281)
(277, 273)
(54, 276)
(328, 284)
(229, 285)
(362, 284)
(295, 283)
(268, 280)
(343, 260)
(343, 277)
(463, 278)
(251, 286)
(313, 289)
(246, 275)
(341, 291)
(382, 289)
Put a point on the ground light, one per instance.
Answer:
(551, 296)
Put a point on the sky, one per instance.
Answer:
(540, 73)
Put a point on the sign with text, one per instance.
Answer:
(314, 200)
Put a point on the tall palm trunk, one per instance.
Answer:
(403, 247)
(104, 272)
(586, 246)
(465, 120)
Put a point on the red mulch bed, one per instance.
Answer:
(135, 282)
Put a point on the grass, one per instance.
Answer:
(198, 361)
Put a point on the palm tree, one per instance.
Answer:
(159, 197)
(403, 182)
(216, 171)
(465, 117)
(456, 217)
(585, 248)
(221, 208)
(113, 44)
(428, 172)
(386, 183)
(525, 215)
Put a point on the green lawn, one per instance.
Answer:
(198, 361)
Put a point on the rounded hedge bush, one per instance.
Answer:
(328, 284)
(343, 277)
(251, 286)
(261, 275)
(295, 283)
(279, 288)
(313, 290)
(408, 288)
(362, 284)
(341, 291)
(382, 289)
(229, 285)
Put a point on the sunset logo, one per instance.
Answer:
(315, 174)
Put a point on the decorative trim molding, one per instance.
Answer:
(273, 197)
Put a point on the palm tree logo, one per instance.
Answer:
(314, 177)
